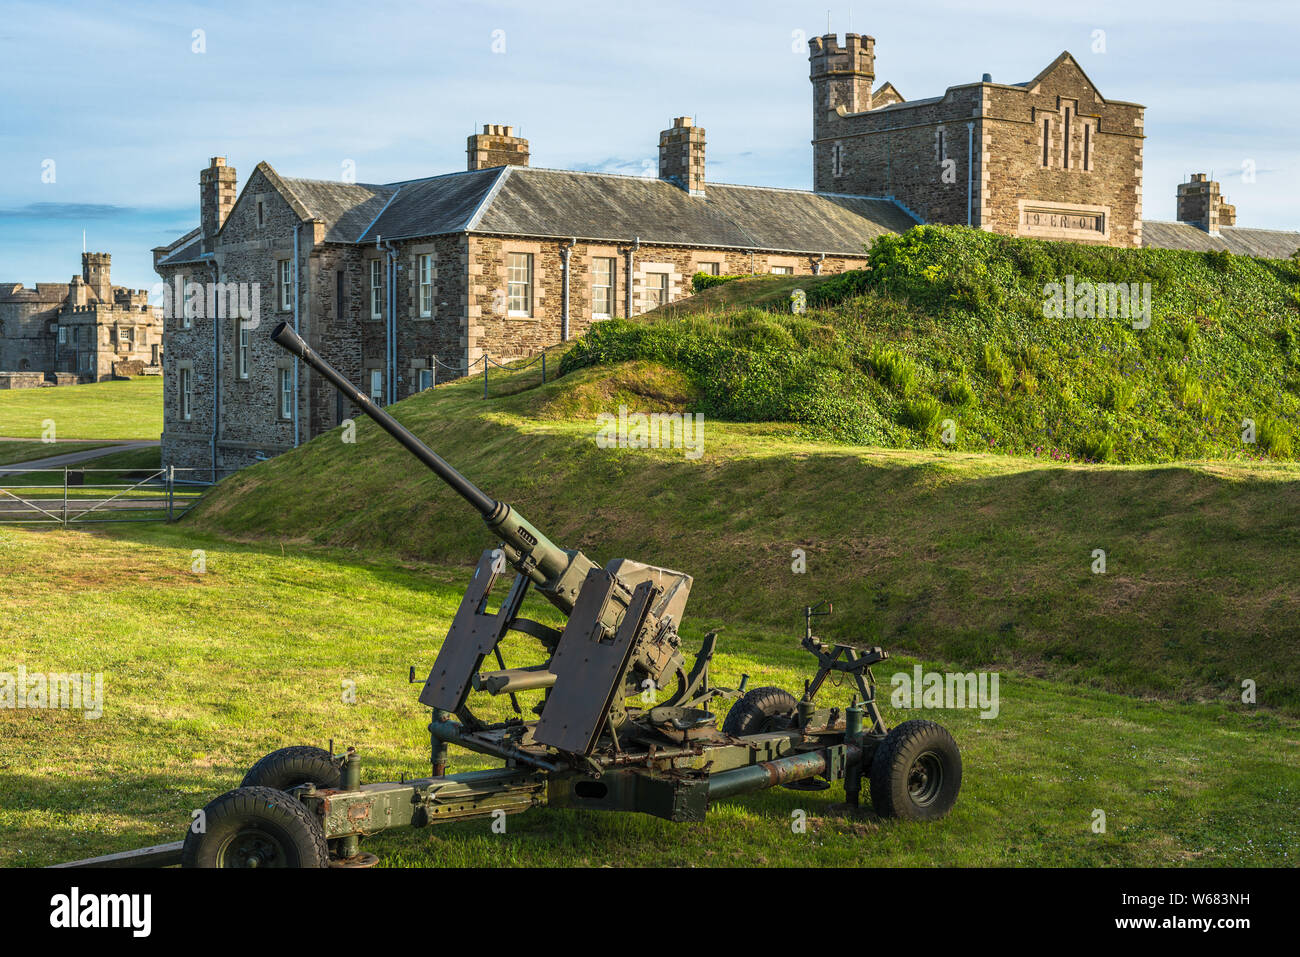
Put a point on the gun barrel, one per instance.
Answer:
(289, 340)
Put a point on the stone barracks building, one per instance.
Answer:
(84, 330)
(504, 259)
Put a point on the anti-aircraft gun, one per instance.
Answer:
(601, 738)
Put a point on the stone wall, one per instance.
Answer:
(1022, 196)
(503, 336)
(21, 380)
(248, 255)
(917, 154)
(1089, 190)
(25, 317)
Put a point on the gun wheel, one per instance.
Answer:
(289, 767)
(916, 772)
(256, 827)
(760, 711)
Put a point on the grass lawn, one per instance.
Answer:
(984, 561)
(125, 409)
(204, 673)
(15, 452)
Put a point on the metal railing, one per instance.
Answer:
(77, 496)
(486, 361)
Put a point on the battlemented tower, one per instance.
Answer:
(841, 77)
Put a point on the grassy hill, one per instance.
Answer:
(953, 551)
(981, 560)
(945, 337)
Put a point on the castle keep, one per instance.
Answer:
(1050, 158)
(392, 282)
(83, 330)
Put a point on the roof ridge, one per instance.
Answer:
(335, 182)
(488, 198)
(371, 225)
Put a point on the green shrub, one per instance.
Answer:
(893, 368)
(1119, 395)
(1097, 448)
(1219, 259)
(1274, 439)
(960, 393)
(703, 280)
(922, 414)
(997, 367)
(963, 308)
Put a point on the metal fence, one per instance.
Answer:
(77, 496)
(511, 371)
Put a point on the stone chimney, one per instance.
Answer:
(95, 274)
(496, 146)
(216, 199)
(681, 155)
(77, 290)
(1201, 204)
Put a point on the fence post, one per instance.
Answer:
(65, 496)
(171, 484)
(485, 370)
(433, 371)
(543, 368)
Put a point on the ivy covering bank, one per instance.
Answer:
(966, 339)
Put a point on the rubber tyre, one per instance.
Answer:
(760, 710)
(289, 767)
(262, 824)
(916, 772)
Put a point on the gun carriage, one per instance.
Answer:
(599, 738)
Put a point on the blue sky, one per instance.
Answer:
(116, 96)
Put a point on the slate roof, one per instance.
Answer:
(526, 201)
(346, 208)
(1238, 240)
(433, 206)
(189, 253)
(559, 204)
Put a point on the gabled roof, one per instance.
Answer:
(1264, 243)
(526, 201)
(183, 250)
(1052, 67)
(560, 204)
(346, 209)
(433, 206)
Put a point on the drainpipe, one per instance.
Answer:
(970, 170)
(297, 293)
(565, 250)
(216, 369)
(631, 263)
(817, 265)
(391, 390)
